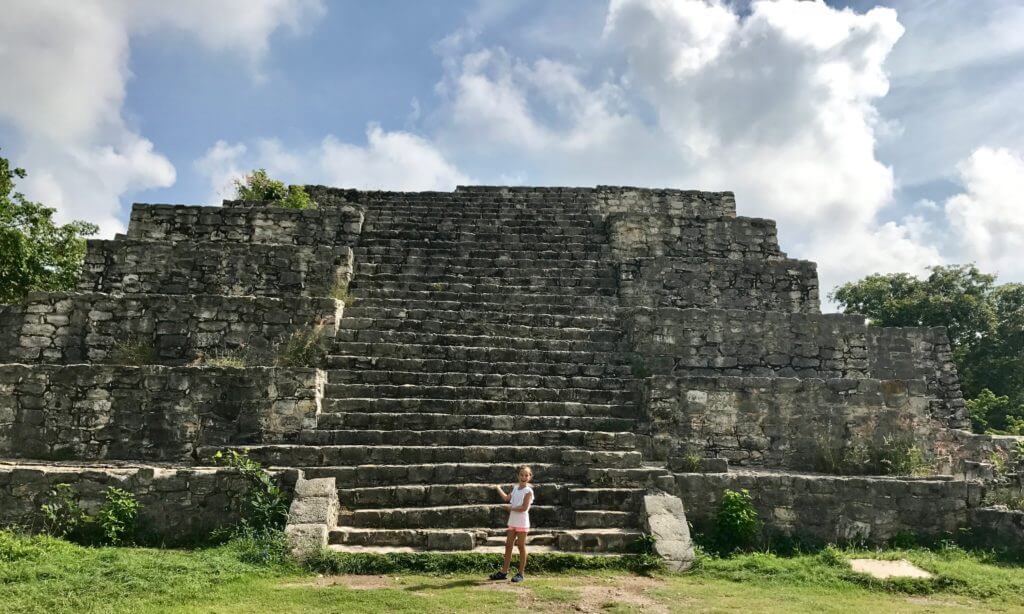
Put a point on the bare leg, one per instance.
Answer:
(522, 552)
(510, 539)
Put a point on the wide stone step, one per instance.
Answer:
(588, 250)
(590, 440)
(482, 393)
(361, 539)
(293, 455)
(486, 233)
(353, 476)
(478, 406)
(476, 367)
(489, 329)
(507, 295)
(475, 515)
(508, 380)
(473, 224)
(505, 270)
(483, 259)
(482, 283)
(472, 340)
(546, 251)
(409, 421)
(408, 349)
(432, 302)
(359, 313)
(566, 495)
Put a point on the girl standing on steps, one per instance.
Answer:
(519, 500)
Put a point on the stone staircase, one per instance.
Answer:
(479, 334)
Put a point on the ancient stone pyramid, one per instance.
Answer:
(622, 341)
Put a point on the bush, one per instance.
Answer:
(133, 351)
(304, 348)
(257, 185)
(61, 513)
(267, 548)
(117, 516)
(736, 525)
(265, 505)
(897, 455)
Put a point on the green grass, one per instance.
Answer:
(40, 574)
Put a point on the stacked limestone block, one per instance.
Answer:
(117, 371)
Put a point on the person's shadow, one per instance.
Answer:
(453, 584)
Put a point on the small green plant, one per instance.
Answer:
(339, 292)
(896, 455)
(737, 524)
(1012, 498)
(117, 516)
(61, 514)
(266, 505)
(832, 557)
(438, 286)
(899, 456)
(644, 544)
(689, 462)
(134, 351)
(257, 185)
(304, 348)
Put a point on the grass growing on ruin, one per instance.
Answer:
(43, 574)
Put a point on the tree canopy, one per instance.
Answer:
(985, 323)
(35, 252)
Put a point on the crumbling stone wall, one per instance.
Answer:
(104, 412)
(65, 328)
(754, 285)
(835, 509)
(338, 226)
(710, 342)
(639, 236)
(179, 505)
(784, 422)
(228, 269)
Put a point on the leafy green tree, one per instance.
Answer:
(257, 185)
(35, 252)
(985, 323)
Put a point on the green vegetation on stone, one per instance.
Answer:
(257, 185)
(985, 323)
(35, 252)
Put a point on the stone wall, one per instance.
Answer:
(101, 412)
(785, 422)
(835, 509)
(59, 327)
(649, 236)
(332, 226)
(229, 269)
(753, 285)
(612, 200)
(179, 505)
(710, 342)
(998, 528)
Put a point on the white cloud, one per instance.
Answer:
(64, 66)
(777, 104)
(394, 160)
(986, 221)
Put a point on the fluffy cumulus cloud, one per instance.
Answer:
(777, 105)
(64, 66)
(389, 160)
(986, 220)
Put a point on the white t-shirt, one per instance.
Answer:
(519, 520)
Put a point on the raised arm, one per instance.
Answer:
(504, 496)
(527, 500)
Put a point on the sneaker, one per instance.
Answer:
(517, 578)
(498, 575)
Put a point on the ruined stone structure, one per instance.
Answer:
(631, 345)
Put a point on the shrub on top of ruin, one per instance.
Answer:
(306, 347)
(257, 185)
(339, 292)
(737, 524)
(132, 351)
(896, 455)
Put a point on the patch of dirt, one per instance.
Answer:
(628, 591)
(882, 570)
(353, 582)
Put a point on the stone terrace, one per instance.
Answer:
(601, 335)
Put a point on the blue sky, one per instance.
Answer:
(882, 136)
